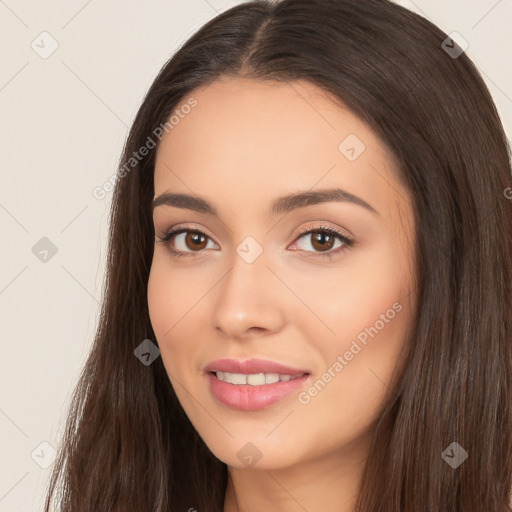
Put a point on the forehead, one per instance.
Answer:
(256, 139)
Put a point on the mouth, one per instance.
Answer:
(253, 385)
(253, 367)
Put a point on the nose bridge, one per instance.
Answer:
(246, 297)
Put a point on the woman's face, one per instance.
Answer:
(250, 283)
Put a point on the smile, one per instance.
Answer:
(251, 392)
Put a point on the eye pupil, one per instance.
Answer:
(324, 239)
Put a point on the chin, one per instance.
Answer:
(255, 454)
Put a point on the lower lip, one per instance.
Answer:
(252, 398)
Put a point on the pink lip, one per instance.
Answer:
(251, 366)
(247, 397)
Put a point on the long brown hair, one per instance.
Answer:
(128, 445)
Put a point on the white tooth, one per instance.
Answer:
(237, 378)
(234, 378)
(256, 379)
(270, 378)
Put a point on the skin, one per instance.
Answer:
(245, 144)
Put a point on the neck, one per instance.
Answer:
(329, 484)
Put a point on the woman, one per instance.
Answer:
(238, 367)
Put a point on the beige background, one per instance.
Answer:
(64, 119)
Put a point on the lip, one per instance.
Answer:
(252, 366)
(246, 397)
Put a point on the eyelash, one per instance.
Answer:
(347, 242)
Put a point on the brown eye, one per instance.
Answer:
(195, 240)
(186, 242)
(322, 241)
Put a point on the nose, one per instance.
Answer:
(247, 301)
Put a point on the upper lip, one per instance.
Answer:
(252, 366)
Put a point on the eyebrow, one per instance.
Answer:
(281, 205)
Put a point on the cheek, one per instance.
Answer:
(170, 298)
(365, 306)
(369, 310)
(161, 302)
(355, 298)
(172, 293)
